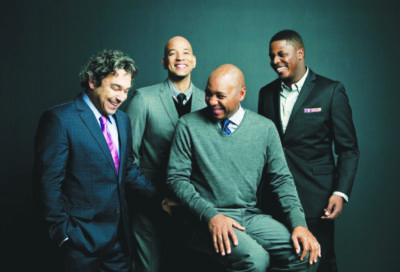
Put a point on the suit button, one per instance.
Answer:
(117, 210)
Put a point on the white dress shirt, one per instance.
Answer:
(289, 96)
(235, 119)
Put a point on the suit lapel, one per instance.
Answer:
(271, 105)
(89, 119)
(122, 133)
(198, 99)
(276, 106)
(166, 99)
(304, 94)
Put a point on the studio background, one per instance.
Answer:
(44, 45)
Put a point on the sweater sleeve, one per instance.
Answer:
(282, 183)
(179, 175)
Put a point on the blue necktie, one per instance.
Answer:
(224, 126)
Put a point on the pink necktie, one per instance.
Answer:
(111, 145)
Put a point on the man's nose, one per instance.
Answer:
(213, 101)
(121, 97)
(178, 56)
(275, 60)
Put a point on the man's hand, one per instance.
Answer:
(167, 203)
(221, 228)
(335, 207)
(303, 236)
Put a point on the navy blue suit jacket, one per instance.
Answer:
(82, 196)
(321, 119)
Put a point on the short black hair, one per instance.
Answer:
(105, 63)
(289, 35)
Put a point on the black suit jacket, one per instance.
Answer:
(320, 123)
(81, 194)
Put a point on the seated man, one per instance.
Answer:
(218, 158)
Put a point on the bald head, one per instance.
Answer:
(178, 59)
(229, 73)
(225, 90)
(174, 41)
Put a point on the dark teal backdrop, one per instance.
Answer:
(45, 43)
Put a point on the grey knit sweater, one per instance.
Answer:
(209, 170)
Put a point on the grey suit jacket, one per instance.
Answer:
(153, 118)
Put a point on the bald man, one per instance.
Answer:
(219, 157)
(154, 113)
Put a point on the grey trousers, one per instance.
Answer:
(159, 242)
(265, 245)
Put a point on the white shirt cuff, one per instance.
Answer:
(344, 196)
(63, 241)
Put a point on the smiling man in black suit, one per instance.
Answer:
(312, 114)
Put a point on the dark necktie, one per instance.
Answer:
(110, 143)
(224, 126)
(180, 98)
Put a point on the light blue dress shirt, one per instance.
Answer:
(175, 91)
(111, 123)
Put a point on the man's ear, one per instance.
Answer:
(164, 63)
(300, 53)
(194, 61)
(242, 93)
(91, 84)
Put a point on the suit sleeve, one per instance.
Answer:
(281, 182)
(51, 151)
(179, 174)
(260, 108)
(139, 182)
(134, 176)
(137, 111)
(345, 140)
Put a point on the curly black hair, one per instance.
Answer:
(105, 63)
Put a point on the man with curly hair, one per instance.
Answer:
(83, 161)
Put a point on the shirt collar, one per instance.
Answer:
(237, 117)
(298, 85)
(95, 110)
(175, 91)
